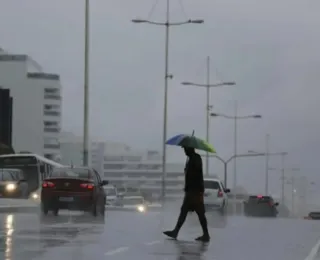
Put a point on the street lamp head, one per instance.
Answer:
(198, 21)
(186, 83)
(229, 83)
(257, 116)
(214, 114)
(138, 21)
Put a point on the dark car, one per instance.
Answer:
(260, 206)
(315, 215)
(73, 189)
(13, 184)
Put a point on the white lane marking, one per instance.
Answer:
(152, 243)
(313, 253)
(117, 251)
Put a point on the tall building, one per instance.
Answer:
(5, 117)
(36, 110)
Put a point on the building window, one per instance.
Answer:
(51, 110)
(51, 127)
(50, 123)
(51, 143)
(114, 166)
(52, 93)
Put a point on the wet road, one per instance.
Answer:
(136, 236)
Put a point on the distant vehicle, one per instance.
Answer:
(315, 215)
(73, 189)
(35, 169)
(132, 202)
(260, 206)
(215, 195)
(111, 194)
(13, 184)
(127, 190)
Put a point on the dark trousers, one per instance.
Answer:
(193, 201)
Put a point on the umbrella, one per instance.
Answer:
(192, 142)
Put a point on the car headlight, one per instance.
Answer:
(34, 196)
(141, 208)
(11, 187)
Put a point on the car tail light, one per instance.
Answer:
(47, 184)
(220, 194)
(88, 186)
(270, 204)
(259, 196)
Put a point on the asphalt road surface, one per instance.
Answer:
(137, 236)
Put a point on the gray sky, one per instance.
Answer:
(269, 48)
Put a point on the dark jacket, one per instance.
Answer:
(194, 174)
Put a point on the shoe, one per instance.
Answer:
(203, 238)
(171, 234)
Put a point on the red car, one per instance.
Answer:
(73, 189)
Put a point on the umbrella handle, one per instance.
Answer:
(192, 133)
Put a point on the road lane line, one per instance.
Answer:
(313, 253)
(153, 243)
(117, 251)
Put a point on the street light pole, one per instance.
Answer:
(282, 177)
(282, 154)
(267, 166)
(86, 87)
(235, 144)
(208, 86)
(167, 24)
(235, 118)
(208, 113)
(165, 102)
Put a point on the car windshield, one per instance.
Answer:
(71, 173)
(211, 185)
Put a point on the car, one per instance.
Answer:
(215, 195)
(260, 206)
(74, 189)
(13, 184)
(315, 215)
(133, 202)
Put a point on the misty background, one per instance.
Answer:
(269, 48)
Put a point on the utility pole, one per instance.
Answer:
(86, 88)
(208, 113)
(282, 177)
(267, 166)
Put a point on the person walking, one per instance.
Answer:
(193, 198)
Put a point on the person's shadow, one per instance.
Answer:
(191, 250)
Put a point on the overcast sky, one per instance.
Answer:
(270, 48)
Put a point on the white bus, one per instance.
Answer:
(35, 168)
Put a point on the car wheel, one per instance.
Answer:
(94, 211)
(44, 209)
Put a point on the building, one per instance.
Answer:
(36, 110)
(123, 166)
(5, 117)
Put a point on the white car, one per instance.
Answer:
(133, 202)
(111, 194)
(215, 195)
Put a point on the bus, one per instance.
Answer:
(35, 168)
